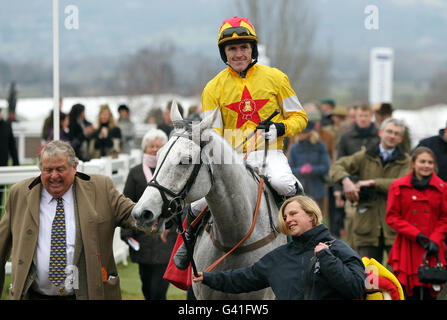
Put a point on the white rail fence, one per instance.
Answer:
(117, 169)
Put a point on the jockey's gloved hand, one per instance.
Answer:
(271, 130)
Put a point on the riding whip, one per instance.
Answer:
(254, 131)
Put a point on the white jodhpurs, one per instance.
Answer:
(277, 170)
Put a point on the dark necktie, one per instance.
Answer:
(58, 250)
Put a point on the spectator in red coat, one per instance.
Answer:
(417, 210)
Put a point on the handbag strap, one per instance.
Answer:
(313, 261)
(426, 255)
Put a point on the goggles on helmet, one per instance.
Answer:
(240, 31)
(237, 30)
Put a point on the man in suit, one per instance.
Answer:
(34, 218)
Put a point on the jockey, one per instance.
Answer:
(246, 94)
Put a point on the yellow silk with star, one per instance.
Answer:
(243, 102)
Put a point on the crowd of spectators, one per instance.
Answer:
(347, 159)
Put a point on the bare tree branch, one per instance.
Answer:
(287, 29)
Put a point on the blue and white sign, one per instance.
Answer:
(381, 75)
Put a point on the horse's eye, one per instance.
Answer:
(186, 160)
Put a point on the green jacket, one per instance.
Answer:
(367, 164)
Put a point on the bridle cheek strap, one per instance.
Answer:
(177, 203)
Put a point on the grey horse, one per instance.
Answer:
(218, 174)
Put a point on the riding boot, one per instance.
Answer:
(298, 191)
(183, 255)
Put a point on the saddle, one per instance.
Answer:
(279, 199)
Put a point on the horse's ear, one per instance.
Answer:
(209, 120)
(175, 113)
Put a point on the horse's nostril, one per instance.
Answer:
(147, 215)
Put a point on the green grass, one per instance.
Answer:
(130, 285)
(5, 293)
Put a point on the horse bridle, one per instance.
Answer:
(175, 206)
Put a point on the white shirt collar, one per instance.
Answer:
(382, 150)
(67, 197)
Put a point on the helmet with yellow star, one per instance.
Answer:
(237, 30)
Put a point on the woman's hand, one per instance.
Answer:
(320, 246)
(339, 202)
(164, 235)
(103, 133)
(306, 169)
(199, 278)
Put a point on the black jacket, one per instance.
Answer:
(152, 249)
(338, 274)
(439, 148)
(7, 144)
(106, 145)
(355, 138)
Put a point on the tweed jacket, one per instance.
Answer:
(99, 209)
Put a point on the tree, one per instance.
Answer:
(287, 29)
(438, 88)
(149, 71)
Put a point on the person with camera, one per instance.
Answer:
(376, 167)
(417, 210)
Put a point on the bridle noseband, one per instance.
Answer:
(174, 206)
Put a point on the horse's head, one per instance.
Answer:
(180, 176)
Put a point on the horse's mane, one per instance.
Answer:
(187, 125)
(184, 124)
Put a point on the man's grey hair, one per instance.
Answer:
(396, 122)
(151, 135)
(57, 148)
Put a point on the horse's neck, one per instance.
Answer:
(232, 199)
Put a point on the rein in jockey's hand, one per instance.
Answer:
(271, 130)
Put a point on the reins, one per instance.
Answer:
(255, 216)
(250, 148)
(188, 185)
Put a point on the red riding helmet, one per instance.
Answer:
(237, 30)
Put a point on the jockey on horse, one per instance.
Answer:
(246, 95)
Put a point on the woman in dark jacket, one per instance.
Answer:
(155, 250)
(417, 210)
(309, 161)
(80, 131)
(106, 140)
(312, 266)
